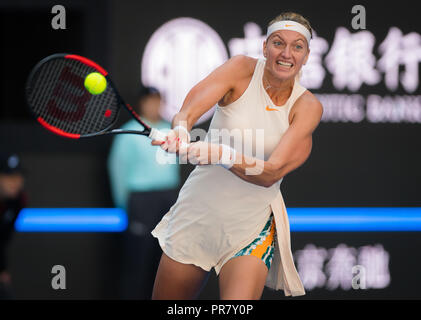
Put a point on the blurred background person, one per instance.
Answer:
(12, 200)
(146, 190)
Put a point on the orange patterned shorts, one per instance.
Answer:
(264, 245)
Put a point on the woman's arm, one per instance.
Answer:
(291, 152)
(204, 96)
(212, 89)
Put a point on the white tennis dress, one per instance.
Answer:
(217, 213)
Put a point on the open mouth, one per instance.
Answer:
(284, 64)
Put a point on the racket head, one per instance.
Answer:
(57, 98)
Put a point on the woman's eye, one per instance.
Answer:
(277, 43)
(298, 47)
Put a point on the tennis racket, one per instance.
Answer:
(57, 97)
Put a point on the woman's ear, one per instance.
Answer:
(264, 48)
(308, 54)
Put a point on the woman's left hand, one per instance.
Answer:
(202, 153)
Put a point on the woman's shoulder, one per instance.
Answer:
(306, 102)
(242, 70)
(244, 64)
(308, 98)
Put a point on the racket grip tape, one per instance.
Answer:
(157, 135)
(160, 136)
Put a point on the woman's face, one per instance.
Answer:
(286, 51)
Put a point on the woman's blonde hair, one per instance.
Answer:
(293, 17)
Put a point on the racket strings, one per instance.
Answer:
(47, 77)
(57, 95)
(61, 95)
(97, 105)
(47, 90)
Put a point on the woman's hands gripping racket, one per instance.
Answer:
(65, 102)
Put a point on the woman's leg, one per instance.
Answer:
(242, 278)
(244, 275)
(178, 281)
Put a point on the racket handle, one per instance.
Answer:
(157, 135)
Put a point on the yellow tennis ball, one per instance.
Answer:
(95, 83)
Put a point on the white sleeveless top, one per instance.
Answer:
(217, 213)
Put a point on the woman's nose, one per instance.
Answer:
(286, 53)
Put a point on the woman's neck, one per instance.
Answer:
(277, 89)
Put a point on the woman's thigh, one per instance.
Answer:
(244, 275)
(175, 280)
(242, 278)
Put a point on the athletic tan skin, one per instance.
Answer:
(244, 277)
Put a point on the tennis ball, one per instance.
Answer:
(95, 83)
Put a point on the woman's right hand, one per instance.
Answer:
(174, 140)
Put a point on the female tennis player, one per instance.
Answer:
(231, 216)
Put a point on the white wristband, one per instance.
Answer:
(228, 157)
(184, 129)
